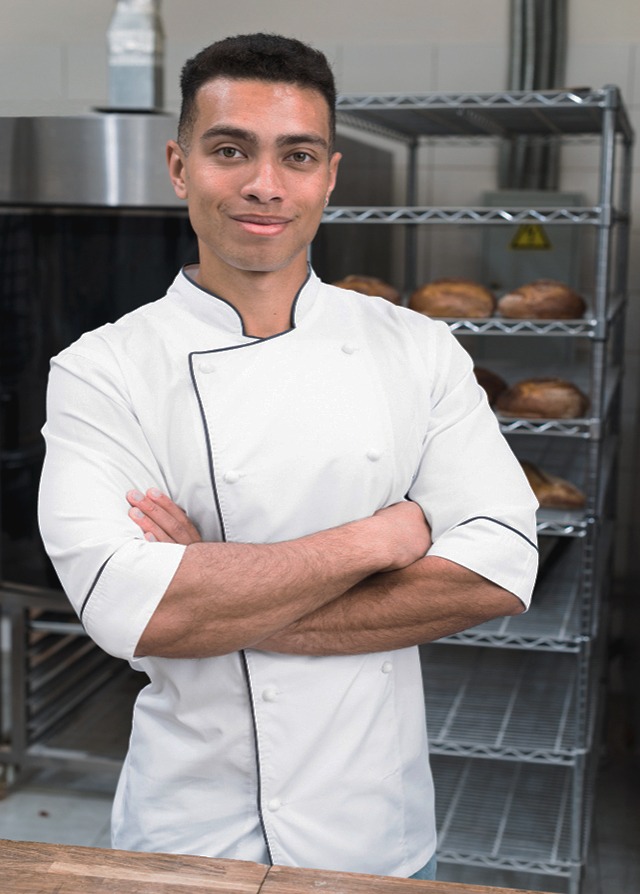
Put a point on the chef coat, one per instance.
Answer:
(306, 761)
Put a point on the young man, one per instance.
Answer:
(306, 433)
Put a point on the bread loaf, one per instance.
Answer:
(551, 491)
(453, 298)
(543, 398)
(492, 383)
(544, 299)
(369, 285)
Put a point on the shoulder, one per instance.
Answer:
(137, 332)
(404, 344)
(111, 338)
(391, 322)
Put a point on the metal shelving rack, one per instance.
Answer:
(514, 704)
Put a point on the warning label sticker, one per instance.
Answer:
(530, 237)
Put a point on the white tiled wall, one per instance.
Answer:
(53, 61)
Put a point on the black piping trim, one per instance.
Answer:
(212, 473)
(294, 304)
(498, 522)
(194, 382)
(247, 675)
(192, 282)
(93, 585)
(249, 344)
(292, 318)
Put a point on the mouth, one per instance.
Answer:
(262, 225)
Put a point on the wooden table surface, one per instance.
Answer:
(28, 867)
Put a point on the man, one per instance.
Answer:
(306, 433)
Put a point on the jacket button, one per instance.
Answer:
(349, 348)
(274, 804)
(373, 455)
(207, 366)
(231, 477)
(270, 694)
(387, 667)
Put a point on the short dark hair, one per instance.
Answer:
(262, 57)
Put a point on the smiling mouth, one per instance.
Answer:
(264, 226)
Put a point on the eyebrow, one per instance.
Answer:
(248, 136)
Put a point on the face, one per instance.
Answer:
(256, 175)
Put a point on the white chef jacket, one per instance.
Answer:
(306, 761)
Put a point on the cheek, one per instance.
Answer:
(313, 199)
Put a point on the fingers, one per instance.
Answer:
(160, 519)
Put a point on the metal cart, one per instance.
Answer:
(514, 705)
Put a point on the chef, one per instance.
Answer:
(344, 494)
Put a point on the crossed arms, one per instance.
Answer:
(364, 586)
(373, 584)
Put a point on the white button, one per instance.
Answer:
(231, 477)
(373, 455)
(274, 804)
(206, 366)
(387, 667)
(270, 694)
(349, 348)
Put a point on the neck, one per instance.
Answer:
(263, 300)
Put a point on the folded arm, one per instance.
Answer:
(417, 601)
(425, 601)
(228, 596)
(341, 590)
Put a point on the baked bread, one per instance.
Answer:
(544, 299)
(369, 285)
(543, 398)
(551, 491)
(451, 297)
(492, 383)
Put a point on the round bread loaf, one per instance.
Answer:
(543, 398)
(369, 285)
(551, 491)
(544, 299)
(492, 383)
(452, 297)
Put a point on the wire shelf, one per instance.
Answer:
(512, 816)
(549, 113)
(415, 214)
(575, 428)
(583, 328)
(502, 704)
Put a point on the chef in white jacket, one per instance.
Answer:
(344, 495)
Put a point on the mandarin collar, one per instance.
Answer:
(216, 311)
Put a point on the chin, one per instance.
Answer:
(271, 264)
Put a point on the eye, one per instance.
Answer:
(228, 152)
(301, 157)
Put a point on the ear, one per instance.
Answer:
(334, 161)
(177, 169)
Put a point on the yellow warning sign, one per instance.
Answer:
(530, 236)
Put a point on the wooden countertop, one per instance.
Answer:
(28, 867)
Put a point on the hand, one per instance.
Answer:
(160, 519)
(405, 533)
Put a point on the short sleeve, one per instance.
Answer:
(95, 453)
(469, 484)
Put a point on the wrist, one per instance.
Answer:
(369, 545)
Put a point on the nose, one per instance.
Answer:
(264, 183)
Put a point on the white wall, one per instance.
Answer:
(53, 53)
(53, 61)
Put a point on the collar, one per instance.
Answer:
(216, 311)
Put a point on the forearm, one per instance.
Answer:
(425, 601)
(228, 596)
